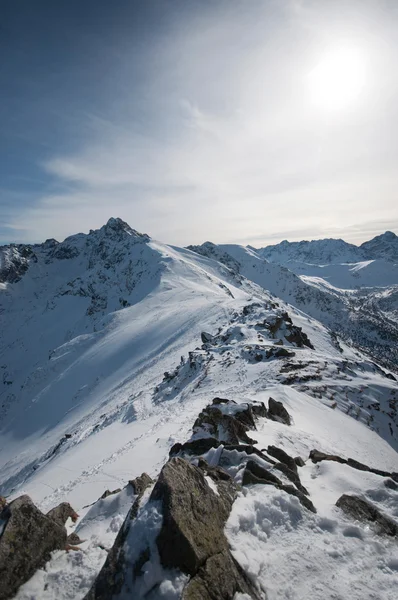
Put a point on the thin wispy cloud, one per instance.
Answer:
(213, 134)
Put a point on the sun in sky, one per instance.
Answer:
(338, 79)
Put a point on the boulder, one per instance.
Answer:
(277, 412)
(192, 536)
(207, 338)
(193, 516)
(27, 541)
(362, 510)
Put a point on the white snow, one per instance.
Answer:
(84, 347)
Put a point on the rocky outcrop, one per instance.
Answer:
(225, 423)
(27, 540)
(362, 510)
(277, 412)
(317, 456)
(255, 474)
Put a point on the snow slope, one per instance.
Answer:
(350, 276)
(332, 251)
(104, 369)
(362, 323)
(319, 252)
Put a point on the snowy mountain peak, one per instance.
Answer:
(116, 228)
(325, 251)
(382, 246)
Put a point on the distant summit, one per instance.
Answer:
(382, 246)
(327, 251)
(332, 251)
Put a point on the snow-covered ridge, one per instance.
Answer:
(333, 251)
(109, 351)
(363, 323)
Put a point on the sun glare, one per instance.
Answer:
(338, 79)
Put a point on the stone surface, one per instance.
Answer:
(277, 412)
(362, 510)
(193, 516)
(255, 474)
(283, 457)
(195, 447)
(27, 541)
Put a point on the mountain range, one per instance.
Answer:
(112, 346)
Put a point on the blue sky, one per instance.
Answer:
(194, 120)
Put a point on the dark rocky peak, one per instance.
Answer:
(211, 250)
(14, 262)
(117, 229)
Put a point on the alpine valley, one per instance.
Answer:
(222, 419)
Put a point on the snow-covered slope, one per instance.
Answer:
(362, 323)
(104, 368)
(349, 276)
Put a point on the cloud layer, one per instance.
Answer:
(213, 135)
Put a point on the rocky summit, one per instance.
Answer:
(222, 419)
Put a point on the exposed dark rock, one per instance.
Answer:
(362, 510)
(27, 541)
(62, 513)
(207, 338)
(297, 336)
(259, 409)
(249, 449)
(219, 579)
(141, 483)
(231, 428)
(279, 353)
(317, 456)
(255, 474)
(306, 502)
(216, 473)
(390, 483)
(277, 412)
(299, 461)
(109, 493)
(73, 540)
(195, 447)
(292, 476)
(192, 536)
(193, 519)
(110, 579)
(283, 457)
(222, 401)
